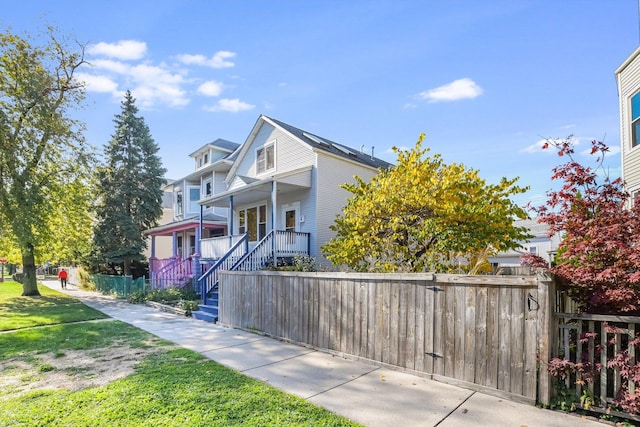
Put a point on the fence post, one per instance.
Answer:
(546, 335)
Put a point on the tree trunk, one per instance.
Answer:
(29, 282)
(127, 266)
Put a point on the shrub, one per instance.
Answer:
(85, 279)
(304, 263)
(137, 297)
(18, 277)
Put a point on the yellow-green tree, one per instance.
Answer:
(42, 148)
(425, 215)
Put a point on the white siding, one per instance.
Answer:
(219, 186)
(290, 154)
(333, 172)
(629, 85)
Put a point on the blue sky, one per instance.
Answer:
(487, 80)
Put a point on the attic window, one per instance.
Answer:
(265, 157)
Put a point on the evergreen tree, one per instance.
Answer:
(130, 190)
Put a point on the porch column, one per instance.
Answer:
(174, 250)
(230, 217)
(199, 231)
(274, 200)
(153, 246)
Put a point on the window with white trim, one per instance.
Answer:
(265, 157)
(179, 204)
(194, 196)
(635, 120)
(207, 187)
(253, 221)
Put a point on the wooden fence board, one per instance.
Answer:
(516, 340)
(438, 297)
(470, 334)
(504, 362)
(480, 342)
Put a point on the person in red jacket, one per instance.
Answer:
(63, 278)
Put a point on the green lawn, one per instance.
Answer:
(50, 308)
(45, 372)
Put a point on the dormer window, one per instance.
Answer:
(265, 158)
(203, 160)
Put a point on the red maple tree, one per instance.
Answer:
(599, 255)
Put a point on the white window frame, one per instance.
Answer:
(190, 202)
(179, 202)
(204, 187)
(266, 147)
(244, 228)
(634, 131)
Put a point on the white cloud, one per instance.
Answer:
(122, 65)
(456, 90)
(124, 49)
(97, 83)
(210, 88)
(111, 66)
(219, 60)
(230, 105)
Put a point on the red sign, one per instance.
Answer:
(3, 260)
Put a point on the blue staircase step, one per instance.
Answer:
(208, 313)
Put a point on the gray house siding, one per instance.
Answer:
(289, 153)
(331, 199)
(628, 79)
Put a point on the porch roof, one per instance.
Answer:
(260, 189)
(209, 221)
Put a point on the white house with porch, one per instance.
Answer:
(272, 198)
(287, 179)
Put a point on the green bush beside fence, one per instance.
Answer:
(120, 286)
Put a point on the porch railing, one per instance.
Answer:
(209, 278)
(217, 247)
(175, 273)
(276, 244)
(156, 264)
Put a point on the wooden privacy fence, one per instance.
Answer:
(481, 332)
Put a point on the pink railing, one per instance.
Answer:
(177, 272)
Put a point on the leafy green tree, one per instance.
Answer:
(425, 215)
(129, 190)
(42, 149)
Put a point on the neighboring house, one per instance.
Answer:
(190, 223)
(628, 81)
(540, 244)
(162, 245)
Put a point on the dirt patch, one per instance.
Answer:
(71, 369)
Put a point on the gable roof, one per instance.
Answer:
(221, 144)
(332, 147)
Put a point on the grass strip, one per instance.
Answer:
(50, 308)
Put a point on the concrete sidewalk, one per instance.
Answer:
(364, 393)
